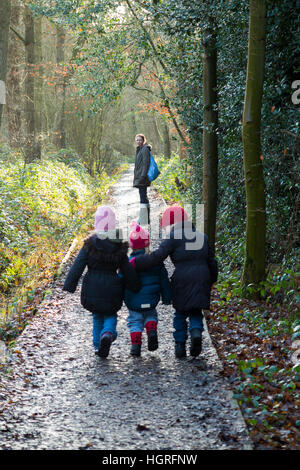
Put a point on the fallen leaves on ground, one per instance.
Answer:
(254, 343)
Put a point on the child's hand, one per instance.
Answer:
(132, 262)
(69, 290)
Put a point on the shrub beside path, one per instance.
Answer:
(56, 394)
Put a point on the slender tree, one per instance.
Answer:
(210, 138)
(32, 146)
(39, 82)
(166, 139)
(61, 86)
(5, 8)
(14, 79)
(254, 266)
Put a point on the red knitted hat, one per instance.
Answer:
(173, 215)
(139, 238)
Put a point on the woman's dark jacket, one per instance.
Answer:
(155, 285)
(195, 266)
(102, 289)
(141, 167)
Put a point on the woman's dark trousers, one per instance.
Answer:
(144, 218)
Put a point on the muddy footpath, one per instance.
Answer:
(56, 394)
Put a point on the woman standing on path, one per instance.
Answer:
(140, 180)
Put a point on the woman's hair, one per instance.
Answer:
(144, 140)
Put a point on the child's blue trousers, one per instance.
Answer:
(180, 323)
(103, 324)
(136, 321)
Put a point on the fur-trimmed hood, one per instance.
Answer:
(107, 251)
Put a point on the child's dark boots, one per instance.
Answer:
(151, 329)
(135, 350)
(180, 350)
(136, 343)
(196, 342)
(105, 343)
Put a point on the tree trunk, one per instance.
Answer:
(182, 150)
(254, 267)
(61, 86)
(39, 100)
(156, 135)
(134, 126)
(13, 80)
(32, 147)
(166, 140)
(4, 34)
(210, 139)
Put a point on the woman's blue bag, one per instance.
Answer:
(153, 171)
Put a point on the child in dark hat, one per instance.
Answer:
(195, 272)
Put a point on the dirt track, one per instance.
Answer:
(59, 395)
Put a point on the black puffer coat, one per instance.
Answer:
(195, 267)
(102, 289)
(141, 167)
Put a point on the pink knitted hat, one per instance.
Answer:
(139, 237)
(105, 219)
(173, 215)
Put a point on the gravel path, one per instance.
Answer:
(59, 395)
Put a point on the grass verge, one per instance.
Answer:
(43, 207)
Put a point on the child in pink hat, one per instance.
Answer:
(142, 305)
(104, 254)
(139, 237)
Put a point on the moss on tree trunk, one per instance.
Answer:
(4, 33)
(254, 266)
(210, 138)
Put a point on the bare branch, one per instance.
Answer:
(291, 134)
(148, 36)
(18, 35)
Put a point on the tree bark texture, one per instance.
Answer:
(5, 9)
(166, 140)
(61, 86)
(210, 138)
(32, 147)
(254, 266)
(14, 80)
(39, 91)
(156, 143)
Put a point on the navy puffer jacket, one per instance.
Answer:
(195, 266)
(102, 289)
(155, 285)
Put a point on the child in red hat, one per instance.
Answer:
(195, 272)
(142, 305)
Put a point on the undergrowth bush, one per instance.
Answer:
(43, 206)
(281, 283)
(170, 169)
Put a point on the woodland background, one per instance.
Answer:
(83, 77)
